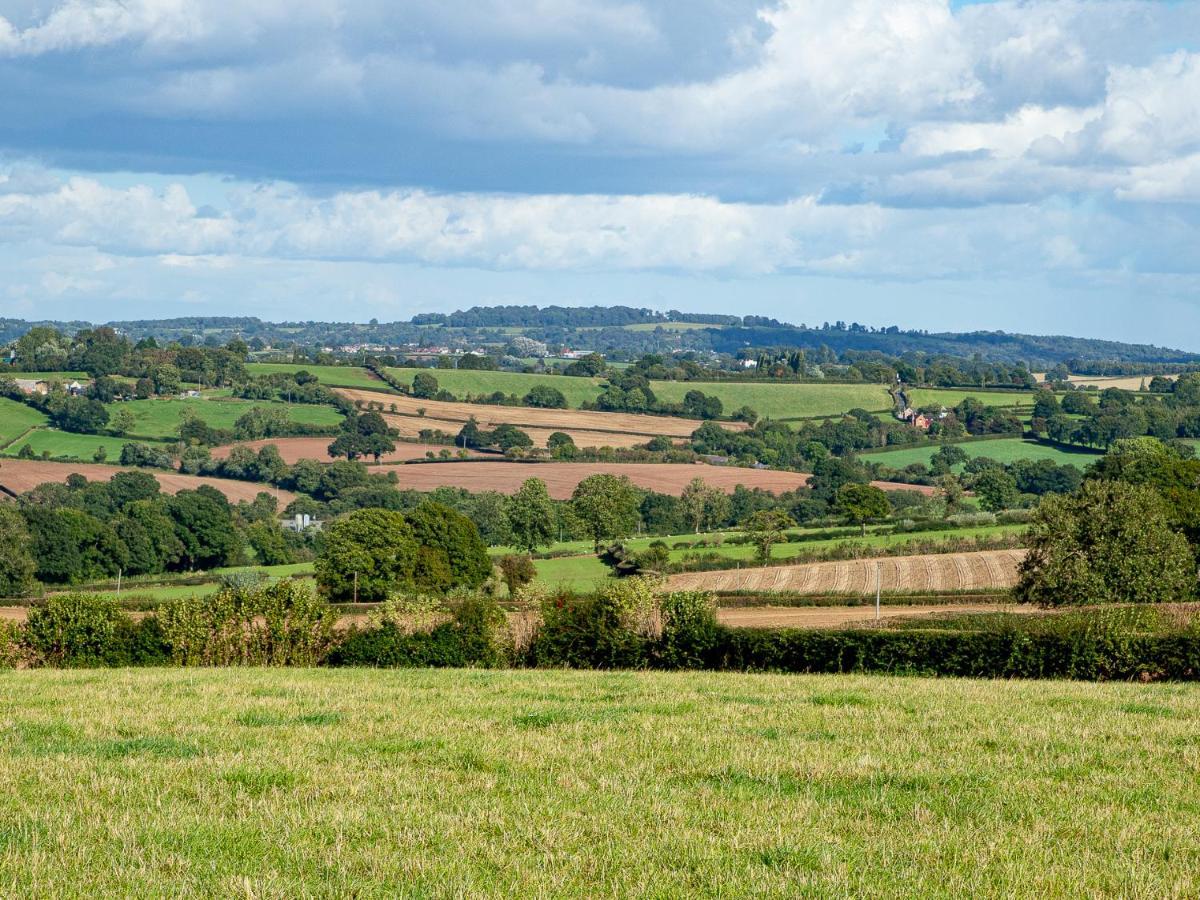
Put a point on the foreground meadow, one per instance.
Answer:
(273, 783)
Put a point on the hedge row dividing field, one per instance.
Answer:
(286, 783)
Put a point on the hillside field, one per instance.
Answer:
(160, 418)
(1005, 450)
(285, 783)
(951, 397)
(777, 401)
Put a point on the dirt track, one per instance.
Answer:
(931, 572)
(20, 475)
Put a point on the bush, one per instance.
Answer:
(280, 624)
(689, 630)
(12, 650)
(476, 636)
(610, 630)
(73, 630)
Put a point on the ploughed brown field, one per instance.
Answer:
(20, 475)
(561, 478)
(930, 572)
(589, 424)
(294, 449)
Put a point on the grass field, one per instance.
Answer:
(160, 418)
(15, 419)
(462, 382)
(778, 401)
(286, 783)
(1004, 450)
(670, 326)
(333, 376)
(951, 397)
(43, 376)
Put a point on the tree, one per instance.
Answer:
(561, 445)
(606, 506)
(705, 505)
(545, 397)
(766, 528)
(509, 437)
(517, 571)
(531, 516)
(424, 386)
(1110, 542)
(373, 548)
(204, 524)
(17, 565)
(996, 490)
(450, 551)
(122, 422)
(860, 503)
(951, 491)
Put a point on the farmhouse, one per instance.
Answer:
(29, 386)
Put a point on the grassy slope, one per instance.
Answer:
(15, 419)
(333, 376)
(523, 783)
(461, 382)
(1004, 450)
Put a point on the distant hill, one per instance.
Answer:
(632, 330)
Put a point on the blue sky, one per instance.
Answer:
(1028, 166)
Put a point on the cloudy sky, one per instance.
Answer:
(1030, 166)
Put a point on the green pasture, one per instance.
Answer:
(451, 783)
(462, 382)
(331, 376)
(160, 418)
(15, 419)
(951, 397)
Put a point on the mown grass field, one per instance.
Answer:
(287, 783)
(462, 382)
(581, 572)
(1005, 450)
(15, 419)
(332, 376)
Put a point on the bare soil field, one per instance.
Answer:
(20, 475)
(931, 572)
(840, 616)
(294, 449)
(561, 478)
(551, 419)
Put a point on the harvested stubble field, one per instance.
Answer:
(929, 572)
(426, 783)
(561, 478)
(20, 475)
(294, 449)
(412, 426)
(844, 616)
(551, 419)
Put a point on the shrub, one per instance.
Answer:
(280, 624)
(593, 632)
(73, 630)
(689, 629)
(12, 650)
